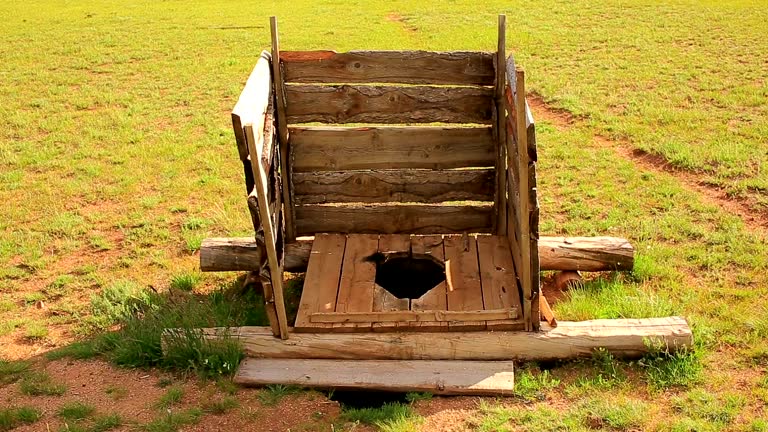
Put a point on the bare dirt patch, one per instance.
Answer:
(403, 21)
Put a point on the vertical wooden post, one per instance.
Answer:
(524, 210)
(282, 135)
(500, 127)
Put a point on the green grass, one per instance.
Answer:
(531, 386)
(172, 396)
(11, 418)
(220, 406)
(173, 421)
(12, 371)
(389, 417)
(272, 394)
(41, 384)
(76, 410)
(103, 423)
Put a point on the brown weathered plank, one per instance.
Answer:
(356, 287)
(430, 147)
(546, 311)
(321, 283)
(387, 104)
(408, 317)
(390, 219)
(497, 276)
(430, 186)
(464, 289)
(499, 125)
(434, 299)
(444, 377)
(407, 67)
(383, 300)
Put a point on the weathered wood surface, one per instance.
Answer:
(383, 300)
(357, 283)
(463, 276)
(623, 338)
(406, 67)
(322, 281)
(387, 104)
(431, 147)
(546, 311)
(444, 377)
(391, 219)
(252, 103)
(556, 253)
(397, 311)
(434, 299)
(429, 186)
(499, 126)
(498, 280)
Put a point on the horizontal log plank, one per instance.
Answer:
(407, 67)
(429, 147)
(555, 253)
(393, 219)
(414, 316)
(428, 186)
(308, 103)
(624, 338)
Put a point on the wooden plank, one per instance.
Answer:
(623, 338)
(387, 104)
(498, 280)
(465, 292)
(383, 300)
(321, 283)
(499, 124)
(430, 186)
(407, 67)
(434, 299)
(525, 274)
(356, 287)
(405, 315)
(390, 219)
(430, 147)
(546, 311)
(441, 377)
(252, 103)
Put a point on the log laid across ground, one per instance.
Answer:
(555, 253)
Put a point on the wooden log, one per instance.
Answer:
(439, 377)
(624, 338)
(406, 67)
(385, 147)
(392, 219)
(387, 104)
(429, 186)
(555, 253)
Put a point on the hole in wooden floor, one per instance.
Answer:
(406, 275)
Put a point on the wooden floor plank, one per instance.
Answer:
(382, 299)
(447, 377)
(357, 280)
(434, 299)
(321, 283)
(497, 277)
(462, 270)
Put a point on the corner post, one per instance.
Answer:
(500, 130)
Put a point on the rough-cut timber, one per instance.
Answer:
(442, 377)
(319, 148)
(387, 104)
(407, 67)
(556, 253)
(429, 186)
(625, 338)
(392, 219)
(586, 253)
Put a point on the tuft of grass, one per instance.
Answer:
(623, 414)
(103, 423)
(12, 371)
(185, 281)
(116, 392)
(272, 394)
(413, 397)
(701, 405)
(11, 418)
(530, 386)
(172, 421)
(80, 350)
(664, 370)
(389, 413)
(40, 384)
(75, 410)
(35, 330)
(221, 406)
(172, 396)
(119, 301)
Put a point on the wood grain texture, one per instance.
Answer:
(253, 101)
(356, 287)
(321, 283)
(391, 219)
(499, 126)
(387, 104)
(405, 316)
(498, 280)
(444, 377)
(434, 299)
(407, 67)
(383, 300)
(428, 186)
(431, 147)
(624, 338)
(546, 311)
(465, 293)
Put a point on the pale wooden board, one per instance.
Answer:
(497, 276)
(321, 282)
(441, 377)
(463, 271)
(356, 286)
(252, 103)
(387, 104)
(382, 300)
(408, 67)
(390, 219)
(428, 186)
(335, 148)
(434, 299)
(625, 338)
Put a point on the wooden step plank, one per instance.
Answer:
(407, 67)
(406, 185)
(434, 299)
(308, 103)
(497, 277)
(383, 300)
(443, 377)
(336, 148)
(321, 283)
(356, 287)
(463, 274)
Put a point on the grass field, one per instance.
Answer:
(117, 159)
